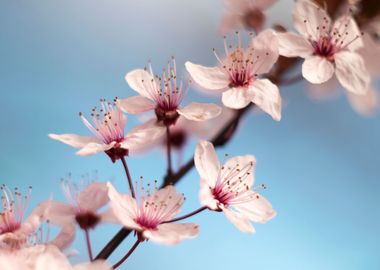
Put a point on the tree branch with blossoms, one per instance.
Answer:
(332, 37)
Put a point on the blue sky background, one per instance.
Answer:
(320, 163)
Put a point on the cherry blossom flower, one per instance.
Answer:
(245, 13)
(147, 214)
(109, 135)
(17, 233)
(164, 95)
(84, 205)
(229, 186)
(328, 48)
(43, 257)
(237, 75)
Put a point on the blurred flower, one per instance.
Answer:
(84, 205)
(245, 13)
(327, 48)
(146, 214)
(237, 75)
(44, 258)
(229, 185)
(16, 233)
(108, 130)
(164, 96)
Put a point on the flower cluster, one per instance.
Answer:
(334, 49)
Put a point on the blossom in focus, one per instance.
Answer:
(83, 207)
(43, 257)
(245, 13)
(147, 213)
(328, 48)
(227, 188)
(109, 135)
(17, 233)
(237, 76)
(163, 95)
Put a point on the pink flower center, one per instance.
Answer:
(324, 47)
(178, 138)
(14, 208)
(233, 185)
(109, 123)
(87, 220)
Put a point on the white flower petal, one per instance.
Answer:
(247, 161)
(93, 197)
(237, 98)
(265, 52)
(240, 221)
(351, 72)
(135, 104)
(317, 69)
(267, 97)
(207, 163)
(96, 265)
(205, 196)
(94, 148)
(347, 27)
(140, 81)
(200, 111)
(124, 207)
(294, 45)
(309, 18)
(258, 209)
(74, 140)
(172, 233)
(210, 78)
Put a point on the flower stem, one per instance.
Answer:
(169, 152)
(187, 216)
(88, 243)
(138, 241)
(128, 176)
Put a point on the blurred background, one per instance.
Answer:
(320, 163)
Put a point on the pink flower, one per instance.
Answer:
(328, 48)
(164, 96)
(245, 13)
(42, 257)
(16, 233)
(147, 214)
(237, 75)
(109, 136)
(229, 185)
(83, 207)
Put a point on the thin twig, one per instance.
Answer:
(88, 243)
(130, 183)
(201, 209)
(169, 151)
(116, 265)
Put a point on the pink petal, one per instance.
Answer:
(140, 81)
(323, 91)
(74, 140)
(143, 135)
(171, 198)
(315, 18)
(93, 197)
(351, 72)
(172, 233)
(367, 104)
(240, 221)
(205, 196)
(247, 161)
(206, 162)
(134, 105)
(210, 78)
(317, 69)
(267, 97)
(265, 52)
(347, 26)
(124, 207)
(200, 111)
(371, 54)
(94, 148)
(294, 45)
(52, 259)
(65, 236)
(258, 209)
(237, 98)
(96, 265)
